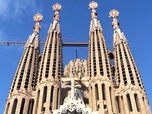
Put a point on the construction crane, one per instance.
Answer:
(65, 44)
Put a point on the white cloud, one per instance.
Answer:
(14, 8)
(21, 5)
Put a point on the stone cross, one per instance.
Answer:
(72, 86)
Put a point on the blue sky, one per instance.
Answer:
(16, 23)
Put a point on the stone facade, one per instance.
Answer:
(92, 86)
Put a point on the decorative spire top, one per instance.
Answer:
(93, 5)
(37, 18)
(56, 7)
(95, 24)
(114, 14)
(36, 29)
(55, 26)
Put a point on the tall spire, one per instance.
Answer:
(95, 24)
(51, 68)
(130, 89)
(24, 81)
(99, 68)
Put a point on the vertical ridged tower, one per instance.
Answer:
(20, 99)
(50, 70)
(99, 68)
(90, 86)
(130, 95)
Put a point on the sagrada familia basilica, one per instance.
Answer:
(91, 86)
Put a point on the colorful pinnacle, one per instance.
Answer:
(38, 17)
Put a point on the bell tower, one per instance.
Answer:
(51, 69)
(99, 68)
(130, 94)
(20, 99)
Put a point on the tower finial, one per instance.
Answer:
(114, 14)
(93, 5)
(37, 18)
(55, 24)
(56, 7)
(94, 23)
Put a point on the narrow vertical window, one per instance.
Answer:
(118, 103)
(14, 106)
(51, 97)
(129, 102)
(22, 106)
(122, 105)
(52, 89)
(44, 94)
(57, 98)
(30, 107)
(96, 92)
(103, 92)
(44, 97)
(137, 102)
